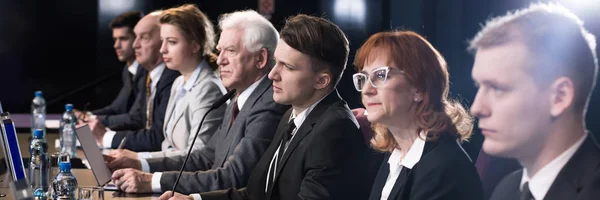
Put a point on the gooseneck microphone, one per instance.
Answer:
(215, 105)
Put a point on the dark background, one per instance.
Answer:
(60, 47)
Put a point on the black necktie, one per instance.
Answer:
(288, 135)
(526, 193)
(290, 129)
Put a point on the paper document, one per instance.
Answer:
(57, 144)
(52, 123)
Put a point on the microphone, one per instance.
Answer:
(223, 99)
(216, 105)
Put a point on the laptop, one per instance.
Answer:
(19, 186)
(94, 157)
(10, 145)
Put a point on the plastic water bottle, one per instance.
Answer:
(68, 117)
(38, 112)
(68, 139)
(65, 183)
(39, 165)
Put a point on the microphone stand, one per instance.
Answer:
(217, 104)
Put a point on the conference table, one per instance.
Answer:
(85, 177)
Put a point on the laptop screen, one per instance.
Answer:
(10, 145)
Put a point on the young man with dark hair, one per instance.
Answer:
(117, 115)
(318, 151)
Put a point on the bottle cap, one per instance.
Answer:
(38, 93)
(69, 107)
(38, 133)
(64, 166)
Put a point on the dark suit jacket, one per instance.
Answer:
(579, 179)
(233, 151)
(118, 115)
(150, 139)
(444, 171)
(326, 159)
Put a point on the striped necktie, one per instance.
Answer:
(148, 101)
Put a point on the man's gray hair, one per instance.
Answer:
(258, 31)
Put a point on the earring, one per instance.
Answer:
(416, 99)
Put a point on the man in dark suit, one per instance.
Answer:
(318, 151)
(535, 69)
(118, 115)
(249, 126)
(154, 98)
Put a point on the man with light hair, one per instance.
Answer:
(535, 69)
(245, 58)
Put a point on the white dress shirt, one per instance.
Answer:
(155, 75)
(396, 165)
(133, 68)
(241, 99)
(541, 181)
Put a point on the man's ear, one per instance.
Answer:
(323, 80)
(562, 94)
(263, 58)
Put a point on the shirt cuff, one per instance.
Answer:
(107, 139)
(196, 196)
(145, 165)
(144, 155)
(156, 182)
(91, 115)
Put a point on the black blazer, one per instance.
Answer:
(150, 139)
(326, 159)
(122, 113)
(444, 171)
(579, 179)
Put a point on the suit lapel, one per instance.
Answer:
(510, 190)
(178, 115)
(404, 178)
(139, 73)
(222, 151)
(306, 127)
(403, 181)
(575, 175)
(183, 105)
(400, 183)
(166, 79)
(169, 112)
(234, 127)
(380, 179)
(270, 153)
